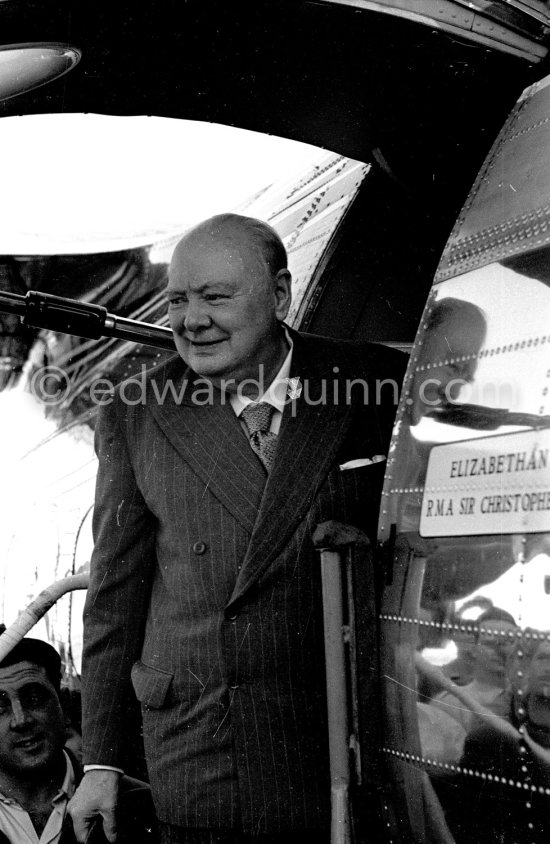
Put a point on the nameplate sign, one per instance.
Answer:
(491, 485)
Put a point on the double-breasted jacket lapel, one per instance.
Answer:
(206, 433)
(312, 430)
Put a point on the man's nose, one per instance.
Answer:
(196, 316)
(19, 715)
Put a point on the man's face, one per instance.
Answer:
(493, 649)
(225, 308)
(32, 729)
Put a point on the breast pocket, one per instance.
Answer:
(353, 497)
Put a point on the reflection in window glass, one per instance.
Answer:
(466, 525)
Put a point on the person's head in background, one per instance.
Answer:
(32, 723)
(494, 644)
(455, 331)
(461, 669)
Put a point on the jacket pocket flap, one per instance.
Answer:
(151, 685)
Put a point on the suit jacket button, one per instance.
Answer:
(232, 618)
(199, 547)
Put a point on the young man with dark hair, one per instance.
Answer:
(38, 775)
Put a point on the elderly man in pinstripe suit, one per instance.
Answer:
(205, 590)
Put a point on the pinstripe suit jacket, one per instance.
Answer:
(205, 585)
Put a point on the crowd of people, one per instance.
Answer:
(486, 739)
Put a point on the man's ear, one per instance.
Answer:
(283, 294)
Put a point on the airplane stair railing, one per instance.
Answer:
(358, 809)
(37, 608)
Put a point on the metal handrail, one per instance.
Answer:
(37, 608)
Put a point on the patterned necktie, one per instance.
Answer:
(257, 418)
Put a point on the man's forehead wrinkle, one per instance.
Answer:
(201, 268)
(210, 287)
(21, 673)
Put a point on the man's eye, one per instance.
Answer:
(177, 300)
(215, 297)
(34, 697)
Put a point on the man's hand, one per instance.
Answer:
(95, 796)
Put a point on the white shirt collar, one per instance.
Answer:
(276, 393)
(68, 784)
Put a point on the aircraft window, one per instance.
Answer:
(465, 619)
